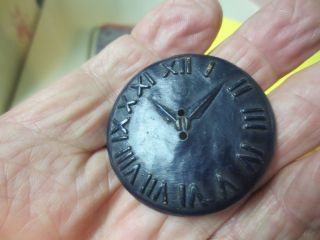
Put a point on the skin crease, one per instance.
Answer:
(56, 181)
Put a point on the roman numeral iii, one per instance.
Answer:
(254, 118)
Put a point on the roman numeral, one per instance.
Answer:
(239, 88)
(195, 195)
(182, 194)
(188, 196)
(124, 158)
(122, 151)
(154, 192)
(119, 125)
(119, 138)
(123, 155)
(152, 187)
(126, 104)
(140, 86)
(226, 187)
(252, 149)
(146, 183)
(209, 69)
(162, 191)
(251, 156)
(185, 67)
(132, 173)
(254, 118)
(169, 69)
(149, 78)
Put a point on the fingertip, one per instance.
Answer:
(180, 26)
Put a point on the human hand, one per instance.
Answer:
(56, 181)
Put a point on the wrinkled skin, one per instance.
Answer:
(56, 181)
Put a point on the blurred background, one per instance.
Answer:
(42, 40)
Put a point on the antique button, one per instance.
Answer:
(190, 135)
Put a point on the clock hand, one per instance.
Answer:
(164, 111)
(205, 102)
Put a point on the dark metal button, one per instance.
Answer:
(190, 135)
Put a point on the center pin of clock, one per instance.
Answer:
(182, 124)
(181, 119)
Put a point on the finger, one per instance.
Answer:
(190, 31)
(286, 208)
(75, 110)
(296, 105)
(275, 40)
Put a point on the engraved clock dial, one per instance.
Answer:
(190, 135)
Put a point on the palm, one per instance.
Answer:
(56, 182)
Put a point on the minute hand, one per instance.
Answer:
(204, 104)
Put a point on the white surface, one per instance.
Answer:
(62, 39)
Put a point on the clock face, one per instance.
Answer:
(190, 135)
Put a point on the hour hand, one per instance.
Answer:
(168, 114)
(205, 102)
